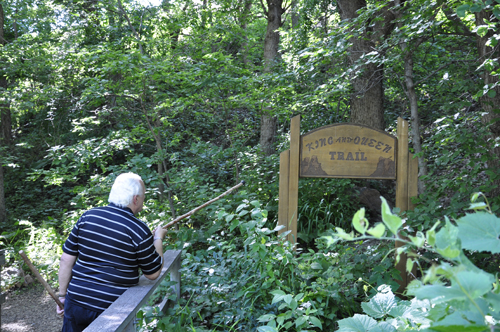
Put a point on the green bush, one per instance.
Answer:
(453, 294)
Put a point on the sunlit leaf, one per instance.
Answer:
(480, 231)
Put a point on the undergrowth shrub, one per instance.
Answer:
(453, 294)
(234, 269)
(458, 155)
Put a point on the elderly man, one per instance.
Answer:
(104, 252)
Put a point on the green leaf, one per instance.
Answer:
(482, 31)
(494, 301)
(266, 318)
(457, 322)
(431, 234)
(383, 327)
(392, 221)
(316, 322)
(465, 285)
(447, 243)
(380, 305)
(359, 221)
(475, 8)
(439, 294)
(475, 284)
(279, 295)
(478, 206)
(449, 252)
(266, 329)
(462, 9)
(343, 235)
(418, 240)
(357, 323)
(480, 231)
(409, 265)
(300, 321)
(316, 266)
(299, 297)
(377, 231)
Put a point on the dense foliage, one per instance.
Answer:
(177, 92)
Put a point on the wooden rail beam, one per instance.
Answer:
(120, 316)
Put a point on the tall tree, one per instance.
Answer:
(5, 119)
(273, 14)
(490, 102)
(367, 101)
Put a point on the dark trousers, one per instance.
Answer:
(77, 318)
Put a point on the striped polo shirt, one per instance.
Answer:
(111, 245)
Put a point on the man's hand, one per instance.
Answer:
(160, 232)
(60, 311)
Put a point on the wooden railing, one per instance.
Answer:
(120, 316)
(2, 296)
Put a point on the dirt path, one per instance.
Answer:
(30, 310)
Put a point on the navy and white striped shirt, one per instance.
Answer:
(111, 245)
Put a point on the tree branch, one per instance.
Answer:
(136, 35)
(266, 13)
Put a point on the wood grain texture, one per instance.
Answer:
(402, 192)
(293, 183)
(348, 151)
(283, 191)
(121, 314)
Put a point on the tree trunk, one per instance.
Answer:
(5, 114)
(367, 107)
(413, 100)
(489, 105)
(244, 39)
(271, 44)
(6, 125)
(3, 210)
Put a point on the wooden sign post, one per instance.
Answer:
(345, 151)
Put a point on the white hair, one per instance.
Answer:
(125, 187)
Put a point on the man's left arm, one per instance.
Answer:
(65, 271)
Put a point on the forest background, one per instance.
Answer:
(196, 96)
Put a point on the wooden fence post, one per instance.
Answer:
(406, 188)
(293, 183)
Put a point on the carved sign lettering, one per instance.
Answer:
(348, 151)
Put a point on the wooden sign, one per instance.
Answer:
(348, 151)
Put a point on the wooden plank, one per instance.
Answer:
(293, 183)
(283, 191)
(348, 151)
(402, 191)
(402, 166)
(121, 314)
(412, 180)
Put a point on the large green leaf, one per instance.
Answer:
(380, 305)
(446, 241)
(480, 231)
(474, 283)
(465, 285)
(392, 221)
(460, 321)
(358, 323)
(383, 327)
(439, 294)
